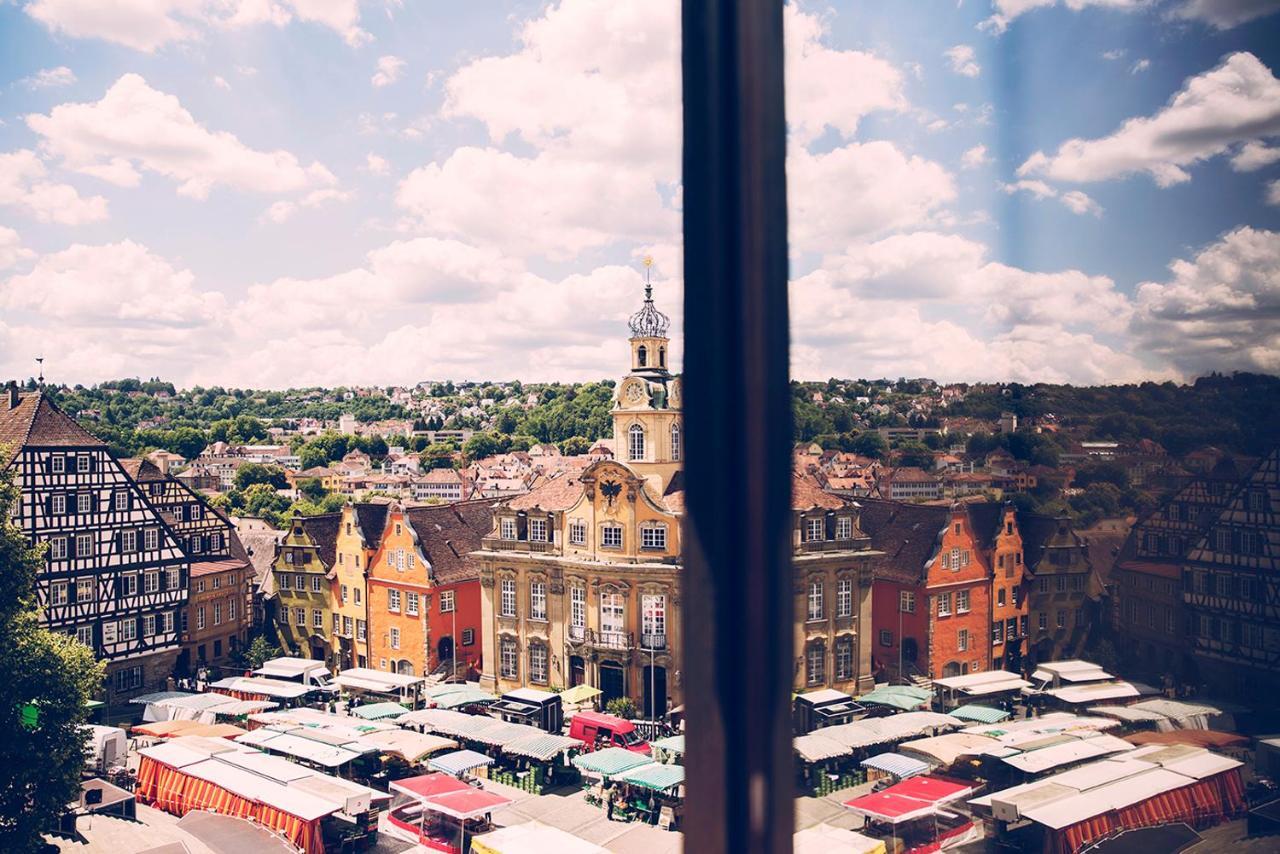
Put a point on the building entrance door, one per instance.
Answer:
(613, 682)
(577, 670)
(655, 692)
(444, 649)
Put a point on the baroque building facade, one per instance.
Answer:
(581, 578)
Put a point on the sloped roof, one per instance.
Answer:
(906, 533)
(143, 471)
(806, 494)
(560, 491)
(37, 422)
(448, 533)
(323, 531)
(372, 519)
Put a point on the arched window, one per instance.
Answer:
(675, 441)
(642, 355)
(662, 357)
(635, 442)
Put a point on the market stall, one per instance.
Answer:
(177, 728)
(886, 699)
(378, 684)
(379, 711)
(823, 707)
(994, 687)
(893, 766)
(439, 812)
(532, 838)
(261, 689)
(537, 761)
(913, 812)
(459, 763)
(652, 793)
(669, 749)
(824, 839)
(979, 714)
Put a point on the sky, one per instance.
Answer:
(284, 193)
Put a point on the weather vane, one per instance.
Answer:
(40, 362)
(648, 288)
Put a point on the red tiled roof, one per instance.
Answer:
(210, 567)
(806, 494)
(37, 422)
(558, 492)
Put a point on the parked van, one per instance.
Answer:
(305, 671)
(597, 730)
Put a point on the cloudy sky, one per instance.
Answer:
(275, 193)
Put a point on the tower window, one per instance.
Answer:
(675, 441)
(662, 357)
(642, 355)
(635, 442)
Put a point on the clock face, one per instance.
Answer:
(635, 392)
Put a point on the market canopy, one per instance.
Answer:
(464, 697)
(654, 776)
(442, 793)
(824, 839)
(459, 762)
(379, 711)
(904, 697)
(980, 714)
(543, 746)
(816, 747)
(1197, 737)
(532, 838)
(983, 683)
(912, 798)
(611, 761)
(144, 699)
(671, 744)
(896, 764)
(408, 745)
(579, 694)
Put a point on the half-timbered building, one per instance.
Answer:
(1231, 590)
(218, 614)
(115, 570)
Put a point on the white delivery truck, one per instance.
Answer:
(305, 671)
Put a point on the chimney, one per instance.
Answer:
(13, 395)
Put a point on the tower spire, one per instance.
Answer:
(648, 322)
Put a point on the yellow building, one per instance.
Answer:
(359, 533)
(580, 578)
(303, 588)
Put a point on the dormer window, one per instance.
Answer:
(507, 529)
(814, 529)
(538, 530)
(844, 528)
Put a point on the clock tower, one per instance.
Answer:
(646, 409)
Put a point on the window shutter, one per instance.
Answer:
(182, 577)
(117, 585)
(551, 527)
(93, 462)
(164, 578)
(522, 525)
(72, 591)
(48, 506)
(831, 525)
(118, 538)
(137, 631)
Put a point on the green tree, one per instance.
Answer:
(915, 454)
(437, 456)
(50, 671)
(187, 442)
(575, 446)
(259, 652)
(250, 473)
(483, 445)
(623, 707)
(262, 500)
(869, 444)
(312, 489)
(312, 456)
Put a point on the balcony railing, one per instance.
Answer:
(499, 544)
(601, 640)
(653, 641)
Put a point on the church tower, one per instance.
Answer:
(646, 409)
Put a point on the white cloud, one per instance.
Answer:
(1039, 189)
(1140, 66)
(283, 210)
(148, 25)
(135, 126)
(1075, 201)
(1236, 102)
(1273, 193)
(1113, 55)
(962, 60)
(389, 70)
(48, 78)
(11, 249)
(975, 157)
(221, 82)
(971, 318)
(549, 205)
(24, 185)
(1005, 11)
(1220, 310)
(1079, 203)
(1225, 14)
(375, 165)
(1252, 156)
(860, 190)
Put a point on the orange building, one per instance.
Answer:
(958, 590)
(422, 554)
(1008, 599)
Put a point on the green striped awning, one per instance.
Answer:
(671, 744)
(611, 761)
(379, 711)
(981, 714)
(654, 776)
